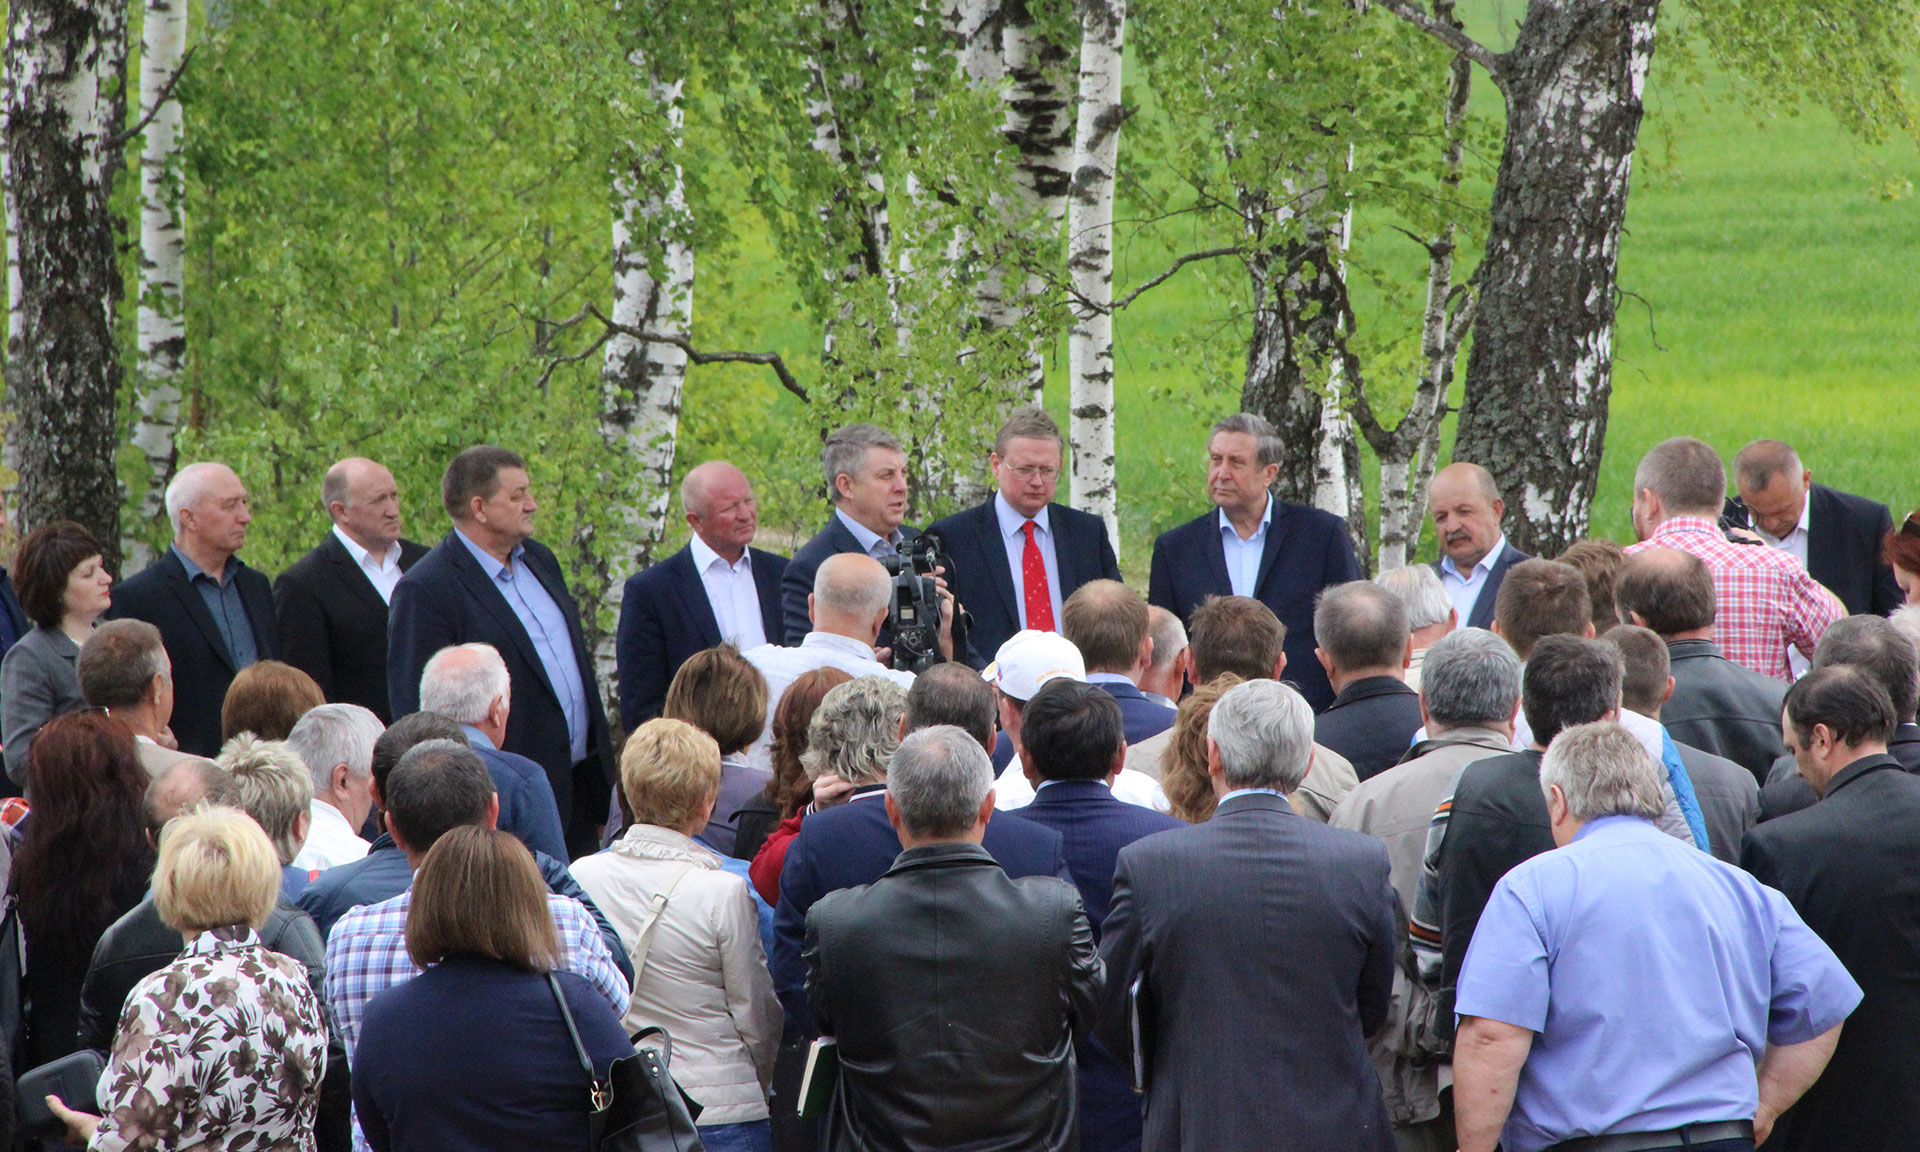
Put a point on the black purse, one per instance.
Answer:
(638, 1108)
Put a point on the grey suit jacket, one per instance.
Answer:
(37, 683)
(1263, 948)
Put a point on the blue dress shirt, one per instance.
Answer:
(1243, 556)
(870, 541)
(223, 601)
(546, 626)
(1654, 976)
(1013, 535)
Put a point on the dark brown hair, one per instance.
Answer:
(1599, 561)
(475, 472)
(267, 699)
(478, 893)
(42, 566)
(1902, 545)
(720, 693)
(1236, 634)
(1540, 598)
(790, 786)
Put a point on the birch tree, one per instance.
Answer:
(64, 98)
(162, 331)
(1096, 155)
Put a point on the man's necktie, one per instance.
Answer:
(1033, 583)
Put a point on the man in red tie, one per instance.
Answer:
(1017, 557)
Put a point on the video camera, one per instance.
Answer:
(913, 614)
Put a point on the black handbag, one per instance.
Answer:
(638, 1108)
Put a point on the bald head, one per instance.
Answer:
(1668, 591)
(1773, 485)
(850, 596)
(364, 501)
(1466, 510)
(719, 505)
(182, 785)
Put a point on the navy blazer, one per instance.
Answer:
(10, 606)
(526, 800)
(1482, 614)
(984, 583)
(202, 667)
(1190, 565)
(333, 623)
(1263, 944)
(1845, 534)
(665, 617)
(1142, 717)
(447, 599)
(1372, 723)
(854, 844)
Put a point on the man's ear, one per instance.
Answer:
(493, 810)
(1326, 662)
(986, 810)
(1280, 666)
(337, 780)
(893, 810)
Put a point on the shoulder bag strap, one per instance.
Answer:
(601, 1095)
(643, 940)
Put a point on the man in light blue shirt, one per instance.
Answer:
(1628, 984)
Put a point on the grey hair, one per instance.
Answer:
(845, 451)
(188, 485)
(1686, 474)
(1761, 460)
(333, 486)
(1470, 677)
(462, 681)
(1268, 443)
(860, 594)
(336, 734)
(1169, 635)
(855, 730)
(272, 785)
(1264, 730)
(1419, 588)
(1907, 619)
(938, 778)
(1361, 625)
(1602, 770)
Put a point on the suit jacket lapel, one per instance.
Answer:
(766, 585)
(1277, 531)
(485, 591)
(987, 539)
(196, 608)
(692, 590)
(1823, 535)
(352, 575)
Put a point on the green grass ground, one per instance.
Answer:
(1775, 292)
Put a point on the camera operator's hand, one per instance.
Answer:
(948, 606)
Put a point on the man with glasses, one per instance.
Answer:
(1017, 557)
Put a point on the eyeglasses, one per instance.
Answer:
(1034, 472)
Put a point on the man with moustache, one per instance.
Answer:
(1466, 510)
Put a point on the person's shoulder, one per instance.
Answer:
(148, 580)
(377, 918)
(1493, 772)
(964, 523)
(764, 560)
(663, 572)
(1073, 519)
(308, 567)
(1180, 534)
(1317, 521)
(1858, 507)
(821, 544)
(437, 560)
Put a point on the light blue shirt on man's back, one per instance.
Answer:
(1654, 977)
(546, 626)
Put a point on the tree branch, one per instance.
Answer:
(166, 93)
(1155, 282)
(1446, 33)
(610, 329)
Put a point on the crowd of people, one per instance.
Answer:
(1600, 853)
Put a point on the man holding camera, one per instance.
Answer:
(851, 598)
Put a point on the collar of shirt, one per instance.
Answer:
(866, 536)
(361, 556)
(1110, 678)
(1249, 792)
(1011, 521)
(1484, 564)
(489, 563)
(475, 736)
(194, 571)
(1806, 518)
(1266, 518)
(838, 643)
(1599, 823)
(1677, 525)
(705, 558)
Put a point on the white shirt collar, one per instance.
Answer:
(1011, 520)
(838, 643)
(361, 556)
(1484, 564)
(704, 557)
(1266, 518)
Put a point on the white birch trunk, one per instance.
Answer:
(1036, 123)
(1096, 153)
(862, 203)
(162, 312)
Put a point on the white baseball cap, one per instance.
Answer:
(1029, 659)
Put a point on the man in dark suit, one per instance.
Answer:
(1365, 646)
(1875, 646)
(1717, 706)
(1110, 625)
(715, 589)
(490, 582)
(332, 604)
(13, 618)
(1072, 747)
(214, 613)
(1253, 950)
(1850, 865)
(1253, 545)
(955, 991)
(1018, 557)
(1466, 510)
(1837, 536)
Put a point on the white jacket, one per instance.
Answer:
(705, 977)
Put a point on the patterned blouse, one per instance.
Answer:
(222, 1049)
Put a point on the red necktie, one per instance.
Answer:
(1033, 583)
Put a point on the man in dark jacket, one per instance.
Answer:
(1835, 534)
(955, 992)
(1875, 646)
(1364, 644)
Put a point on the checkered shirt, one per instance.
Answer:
(1767, 601)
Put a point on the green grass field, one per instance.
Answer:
(1775, 291)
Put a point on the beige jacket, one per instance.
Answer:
(705, 976)
(1329, 779)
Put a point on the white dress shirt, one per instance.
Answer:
(1243, 556)
(1012, 789)
(1465, 590)
(782, 666)
(730, 590)
(1013, 535)
(384, 571)
(1794, 544)
(330, 839)
(871, 542)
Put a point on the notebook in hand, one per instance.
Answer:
(816, 1084)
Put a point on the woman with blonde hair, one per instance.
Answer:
(690, 928)
(225, 1047)
(474, 1051)
(1183, 762)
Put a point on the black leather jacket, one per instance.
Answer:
(1723, 708)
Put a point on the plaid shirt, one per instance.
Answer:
(367, 954)
(1767, 600)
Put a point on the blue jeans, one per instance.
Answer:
(752, 1136)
